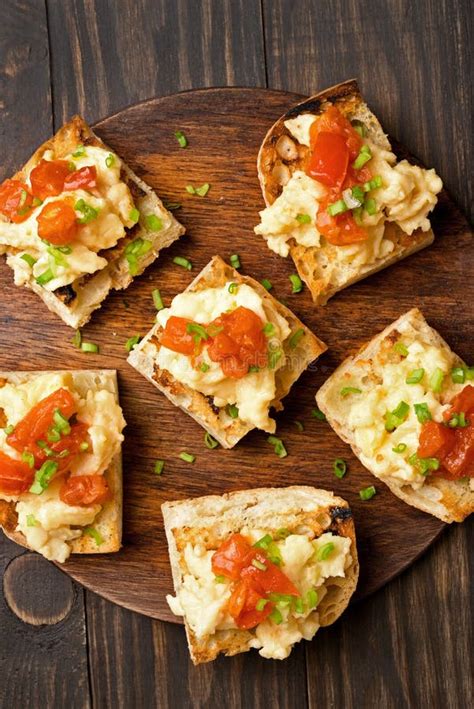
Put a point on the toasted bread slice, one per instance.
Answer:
(210, 520)
(75, 303)
(321, 267)
(228, 431)
(449, 500)
(108, 522)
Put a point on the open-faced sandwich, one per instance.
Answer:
(226, 352)
(76, 223)
(405, 404)
(60, 461)
(337, 199)
(259, 568)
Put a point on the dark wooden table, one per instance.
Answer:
(410, 644)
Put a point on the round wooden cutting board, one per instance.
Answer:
(224, 128)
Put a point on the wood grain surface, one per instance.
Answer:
(409, 644)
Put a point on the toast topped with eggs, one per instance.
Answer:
(337, 199)
(76, 223)
(260, 568)
(405, 405)
(225, 352)
(60, 461)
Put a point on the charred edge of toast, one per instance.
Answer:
(314, 104)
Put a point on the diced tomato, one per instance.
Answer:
(47, 178)
(35, 425)
(15, 200)
(241, 343)
(272, 580)
(85, 178)
(459, 462)
(341, 229)
(57, 223)
(70, 443)
(436, 440)
(329, 160)
(176, 337)
(242, 606)
(84, 490)
(464, 401)
(332, 121)
(15, 476)
(232, 556)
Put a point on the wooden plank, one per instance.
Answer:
(410, 644)
(411, 60)
(120, 53)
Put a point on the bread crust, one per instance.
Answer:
(449, 500)
(212, 518)
(346, 96)
(75, 303)
(109, 520)
(222, 427)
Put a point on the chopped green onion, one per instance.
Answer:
(53, 435)
(299, 605)
(77, 339)
(299, 425)
(278, 446)
(325, 551)
(422, 412)
(181, 138)
(37, 202)
(363, 157)
(232, 410)
(29, 259)
(458, 421)
(173, 206)
(61, 422)
(395, 418)
(318, 414)
(370, 206)
(56, 253)
(469, 373)
(89, 347)
(153, 222)
(204, 367)
(235, 261)
(423, 465)
(263, 542)
(203, 190)
(23, 196)
(157, 301)
(261, 603)
(79, 152)
(110, 160)
(358, 193)
(219, 578)
(253, 368)
(372, 184)
(28, 458)
(274, 357)
(303, 218)
(43, 477)
(282, 533)
(95, 534)
(367, 493)
(401, 349)
(345, 391)
(31, 521)
(340, 468)
(184, 262)
(132, 342)
(269, 328)
(258, 565)
(187, 457)
(400, 448)
(458, 375)
(274, 554)
(359, 127)
(281, 599)
(84, 446)
(415, 376)
(312, 598)
(159, 465)
(45, 277)
(436, 380)
(233, 288)
(295, 338)
(266, 284)
(9, 429)
(357, 214)
(296, 283)
(134, 215)
(88, 213)
(197, 330)
(190, 189)
(276, 616)
(337, 208)
(210, 442)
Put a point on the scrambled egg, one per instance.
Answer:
(203, 601)
(253, 393)
(112, 200)
(51, 520)
(407, 195)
